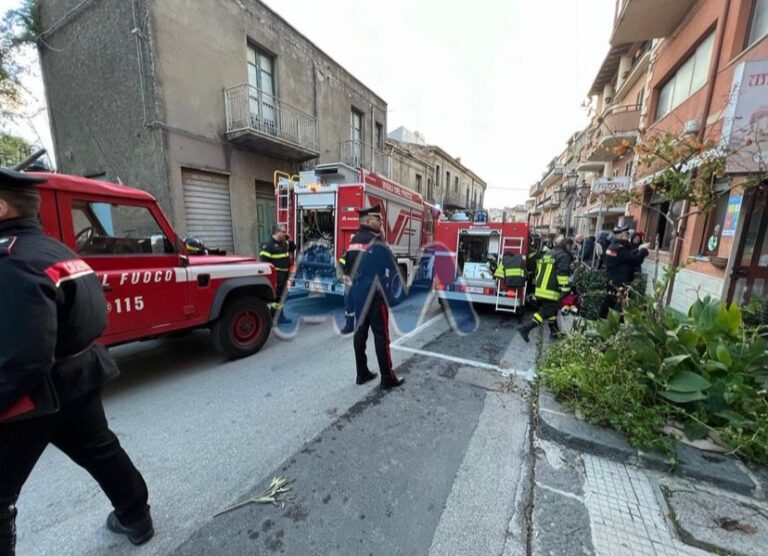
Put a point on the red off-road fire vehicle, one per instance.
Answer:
(153, 286)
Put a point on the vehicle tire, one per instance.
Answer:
(242, 327)
(396, 290)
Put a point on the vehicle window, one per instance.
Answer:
(107, 229)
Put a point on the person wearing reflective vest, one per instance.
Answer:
(278, 252)
(553, 273)
(511, 270)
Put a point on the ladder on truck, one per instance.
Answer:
(512, 245)
(283, 193)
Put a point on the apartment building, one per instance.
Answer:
(430, 170)
(705, 57)
(200, 105)
(698, 69)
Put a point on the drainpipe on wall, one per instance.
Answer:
(713, 71)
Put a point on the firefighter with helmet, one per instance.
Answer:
(553, 271)
(278, 252)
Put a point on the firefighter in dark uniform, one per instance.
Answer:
(51, 371)
(278, 252)
(534, 252)
(621, 261)
(370, 265)
(553, 272)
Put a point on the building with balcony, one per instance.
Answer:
(607, 156)
(428, 169)
(200, 106)
(702, 53)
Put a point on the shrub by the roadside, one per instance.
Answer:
(706, 371)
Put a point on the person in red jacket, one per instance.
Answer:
(51, 369)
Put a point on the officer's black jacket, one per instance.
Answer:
(278, 253)
(621, 260)
(368, 259)
(52, 309)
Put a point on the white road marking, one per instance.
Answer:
(416, 330)
(467, 362)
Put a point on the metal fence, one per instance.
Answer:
(248, 108)
(362, 155)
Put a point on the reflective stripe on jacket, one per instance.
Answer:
(553, 274)
(511, 269)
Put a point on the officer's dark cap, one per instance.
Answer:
(11, 180)
(621, 229)
(375, 210)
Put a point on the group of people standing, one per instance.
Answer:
(551, 267)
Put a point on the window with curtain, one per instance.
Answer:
(688, 78)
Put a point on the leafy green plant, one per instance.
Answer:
(705, 370)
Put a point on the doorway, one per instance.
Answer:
(749, 277)
(265, 211)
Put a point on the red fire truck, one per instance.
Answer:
(476, 248)
(153, 286)
(319, 209)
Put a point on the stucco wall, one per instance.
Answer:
(99, 113)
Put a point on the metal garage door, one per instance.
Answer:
(208, 209)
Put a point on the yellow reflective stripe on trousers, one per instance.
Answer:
(538, 318)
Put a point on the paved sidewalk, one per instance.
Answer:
(586, 504)
(595, 494)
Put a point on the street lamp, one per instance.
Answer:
(568, 192)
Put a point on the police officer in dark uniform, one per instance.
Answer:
(369, 264)
(51, 371)
(278, 252)
(621, 261)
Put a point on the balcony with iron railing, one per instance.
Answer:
(362, 155)
(265, 124)
(553, 173)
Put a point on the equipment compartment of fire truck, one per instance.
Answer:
(319, 209)
(477, 247)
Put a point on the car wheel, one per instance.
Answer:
(243, 327)
(396, 290)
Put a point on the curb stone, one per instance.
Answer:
(557, 424)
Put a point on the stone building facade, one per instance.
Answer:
(200, 107)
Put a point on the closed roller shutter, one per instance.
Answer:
(208, 208)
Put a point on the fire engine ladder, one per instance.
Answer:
(513, 245)
(283, 192)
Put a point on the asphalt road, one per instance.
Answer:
(436, 467)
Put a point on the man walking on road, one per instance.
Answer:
(51, 371)
(369, 264)
(553, 271)
(278, 252)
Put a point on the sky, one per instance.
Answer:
(499, 83)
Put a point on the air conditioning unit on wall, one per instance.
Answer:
(691, 127)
